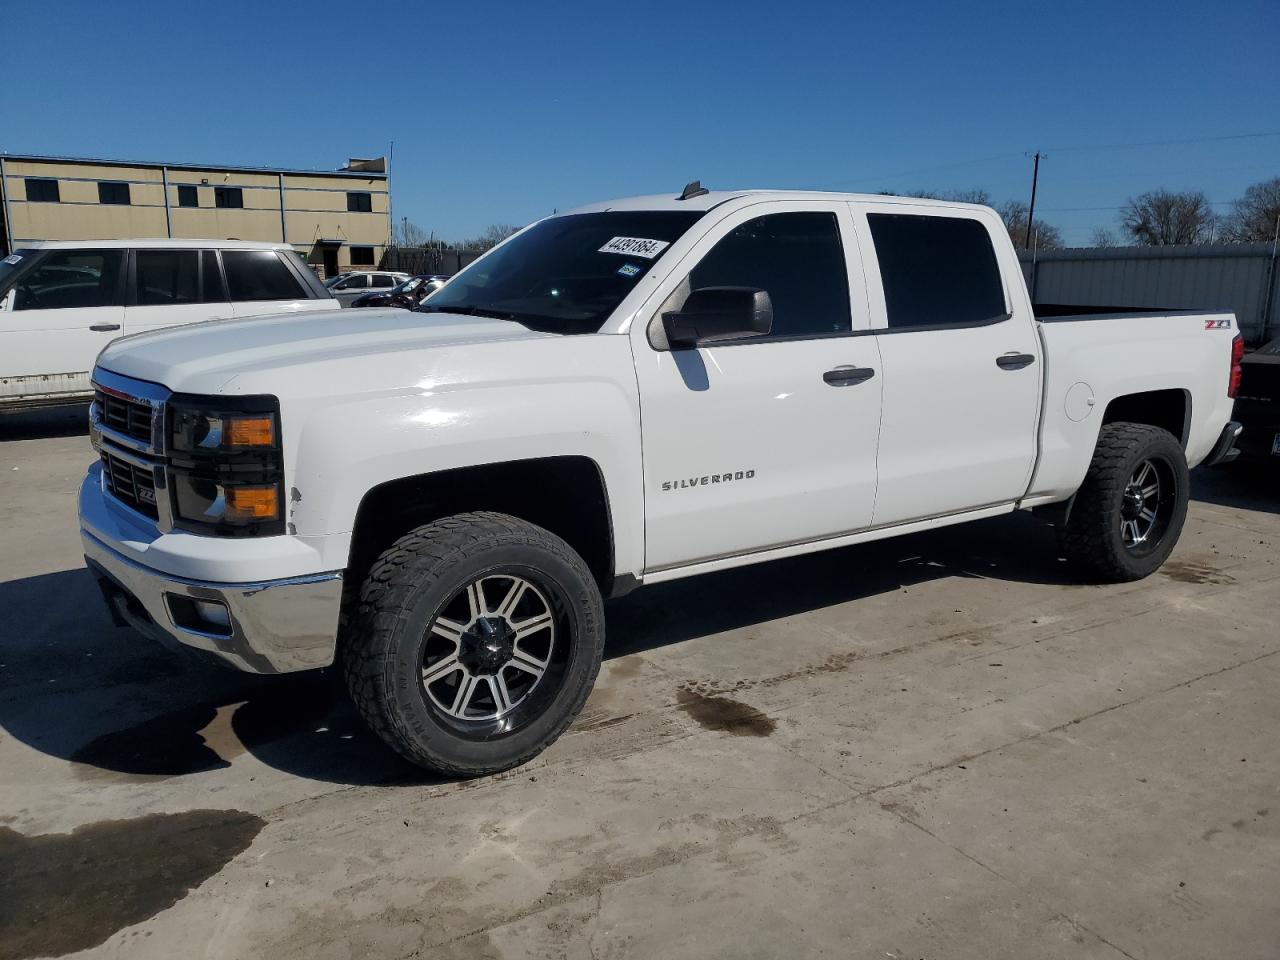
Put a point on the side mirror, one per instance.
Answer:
(715, 314)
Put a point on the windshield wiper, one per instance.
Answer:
(469, 310)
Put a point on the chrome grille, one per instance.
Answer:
(132, 485)
(130, 417)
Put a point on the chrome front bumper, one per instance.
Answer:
(274, 626)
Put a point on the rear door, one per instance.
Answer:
(60, 314)
(768, 441)
(961, 358)
(345, 291)
(260, 282)
(172, 287)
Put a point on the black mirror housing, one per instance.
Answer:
(716, 314)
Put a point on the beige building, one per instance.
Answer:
(336, 219)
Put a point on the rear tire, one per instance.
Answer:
(475, 643)
(1129, 512)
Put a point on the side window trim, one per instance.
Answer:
(220, 277)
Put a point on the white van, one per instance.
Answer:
(61, 302)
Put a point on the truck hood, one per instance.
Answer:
(205, 357)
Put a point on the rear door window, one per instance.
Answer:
(259, 275)
(937, 271)
(71, 278)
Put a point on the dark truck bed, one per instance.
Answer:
(1081, 311)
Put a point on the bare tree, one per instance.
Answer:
(409, 234)
(1044, 235)
(955, 196)
(1161, 218)
(1256, 215)
(1103, 237)
(492, 235)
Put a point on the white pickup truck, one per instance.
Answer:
(629, 393)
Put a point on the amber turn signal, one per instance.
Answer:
(251, 503)
(250, 431)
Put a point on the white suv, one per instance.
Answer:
(62, 302)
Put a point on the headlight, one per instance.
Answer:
(226, 465)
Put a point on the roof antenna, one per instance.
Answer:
(693, 189)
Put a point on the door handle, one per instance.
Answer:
(847, 376)
(1014, 361)
(103, 327)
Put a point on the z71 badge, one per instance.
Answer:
(1221, 324)
(709, 479)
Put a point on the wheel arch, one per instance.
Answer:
(566, 495)
(1169, 409)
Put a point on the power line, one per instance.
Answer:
(1164, 143)
(1212, 203)
(1076, 149)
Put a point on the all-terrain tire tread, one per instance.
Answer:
(1087, 539)
(385, 596)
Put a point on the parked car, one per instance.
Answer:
(347, 288)
(626, 394)
(62, 302)
(406, 296)
(1258, 405)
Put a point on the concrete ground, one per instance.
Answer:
(936, 747)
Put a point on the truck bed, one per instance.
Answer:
(1050, 312)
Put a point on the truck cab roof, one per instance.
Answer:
(715, 198)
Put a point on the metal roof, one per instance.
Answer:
(158, 243)
(212, 167)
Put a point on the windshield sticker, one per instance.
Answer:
(12, 258)
(635, 247)
(629, 269)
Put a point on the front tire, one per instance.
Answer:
(1129, 512)
(475, 643)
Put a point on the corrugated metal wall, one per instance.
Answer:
(1205, 277)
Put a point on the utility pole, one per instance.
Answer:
(1031, 210)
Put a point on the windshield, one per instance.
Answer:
(409, 285)
(565, 274)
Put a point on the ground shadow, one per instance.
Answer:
(1246, 485)
(79, 688)
(71, 420)
(1018, 547)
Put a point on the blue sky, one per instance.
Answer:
(501, 112)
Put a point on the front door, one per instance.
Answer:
(61, 314)
(769, 441)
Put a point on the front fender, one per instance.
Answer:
(581, 401)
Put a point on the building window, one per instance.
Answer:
(42, 191)
(362, 256)
(359, 203)
(229, 197)
(114, 192)
(187, 196)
